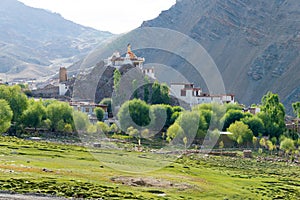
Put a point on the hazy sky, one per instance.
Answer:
(116, 16)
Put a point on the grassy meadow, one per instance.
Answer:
(74, 171)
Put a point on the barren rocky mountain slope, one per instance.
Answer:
(32, 39)
(255, 44)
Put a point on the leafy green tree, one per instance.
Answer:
(57, 111)
(254, 141)
(117, 95)
(213, 113)
(81, 121)
(165, 96)
(232, 116)
(117, 79)
(296, 109)
(34, 115)
(156, 96)
(16, 99)
(192, 124)
(287, 145)
(99, 112)
(6, 115)
(273, 114)
(172, 114)
(102, 128)
(135, 113)
(263, 142)
(134, 133)
(108, 103)
(233, 106)
(160, 93)
(61, 126)
(68, 128)
(240, 133)
(255, 124)
(173, 132)
(160, 119)
(270, 145)
(115, 129)
(185, 142)
(221, 144)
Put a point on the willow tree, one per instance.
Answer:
(6, 115)
(273, 114)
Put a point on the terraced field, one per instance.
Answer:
(74, 171)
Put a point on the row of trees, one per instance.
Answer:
(17, 112)
(179, 126)
(140, 119)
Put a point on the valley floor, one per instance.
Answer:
(74, 171)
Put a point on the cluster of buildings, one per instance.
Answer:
(61, 88)
(116, 60)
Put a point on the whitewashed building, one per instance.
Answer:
(194, 96)
(116, 60)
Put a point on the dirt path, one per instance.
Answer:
(4, 196)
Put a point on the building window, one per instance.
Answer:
(183, 93)
(87, 110)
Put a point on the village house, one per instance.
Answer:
(88, 108)
(194, 96)
(252, 110)
(293, 125)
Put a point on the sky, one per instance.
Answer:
(116, 16)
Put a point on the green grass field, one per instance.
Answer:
(74, 171)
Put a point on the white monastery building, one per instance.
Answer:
(130, 58)
(194, 96)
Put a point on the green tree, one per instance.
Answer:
(213, 114)
(81, 121)
(156, 96)
(173, 132)
(108, 103)
(34, 115)
(160, 119)
(270, 145)
(296, 109)
(160, 93)
(117, 79)
(102, 128)
(233, 106)
(134, 133)
(117, 95)
(165, 96)
(287, 145)
(68, 128)
(192, 124)
(16, 99)
(232, 116)
(6, 115)
(99, 112)
(254, 141)
(240, 133)
(273, 114)
(255, 124)
(57, 111)
(134, 113)
(263, 143)
(115, 129)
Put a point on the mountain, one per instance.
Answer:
(35, 42)
(255, 44)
